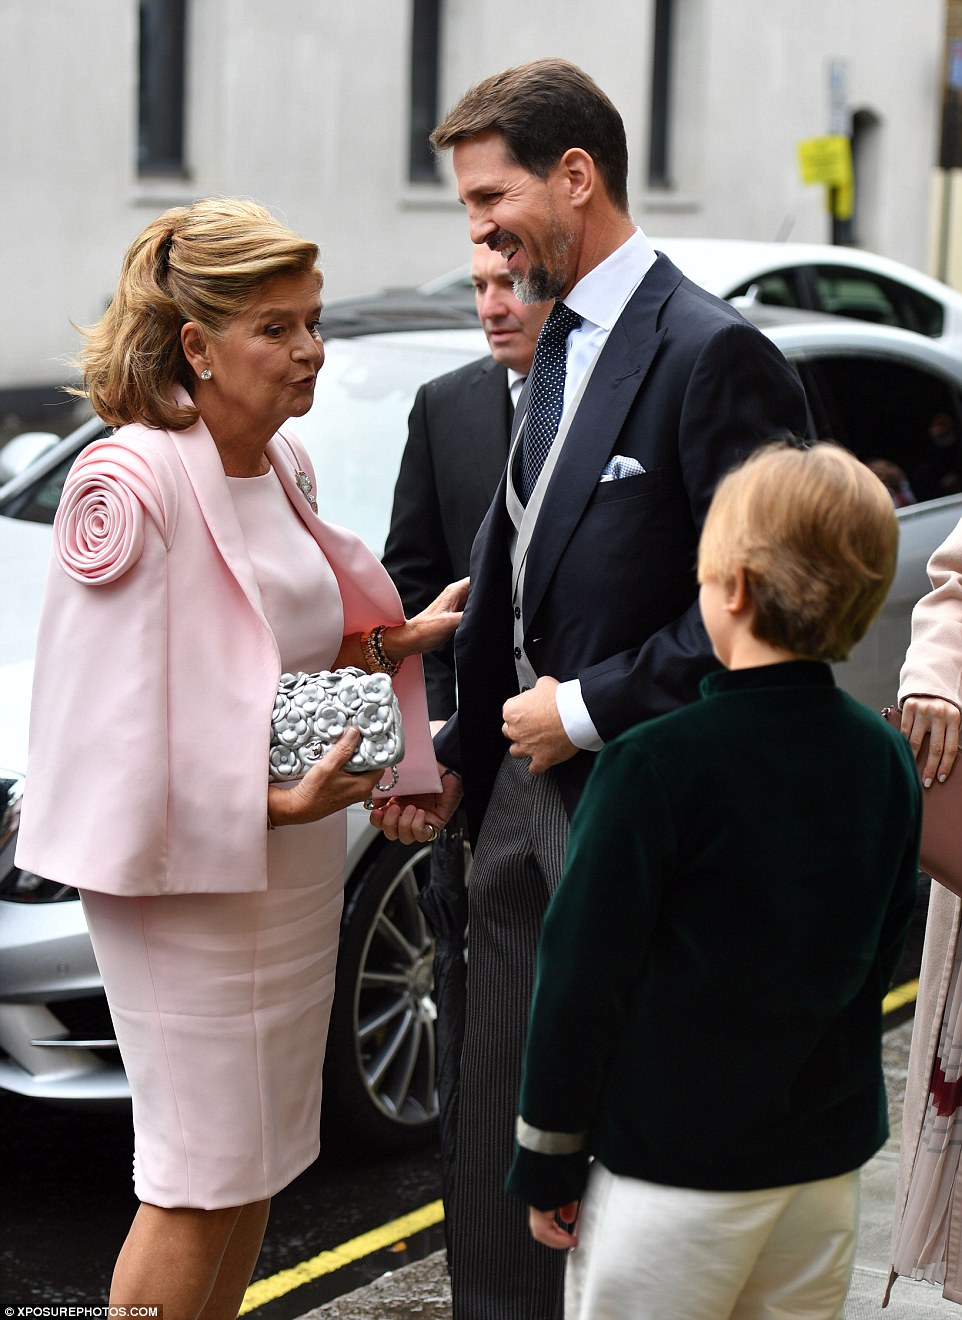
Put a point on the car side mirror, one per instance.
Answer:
(750, 298)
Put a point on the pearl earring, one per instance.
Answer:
(205, 374)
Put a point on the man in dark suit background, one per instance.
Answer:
(582, 617)
(457, 446)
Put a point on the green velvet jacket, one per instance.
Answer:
(739, 881)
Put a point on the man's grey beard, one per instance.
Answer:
(539, 284)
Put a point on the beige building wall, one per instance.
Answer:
(303, 104)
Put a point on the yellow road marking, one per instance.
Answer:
(901, 995)
(285, 1281)
(268, 1290)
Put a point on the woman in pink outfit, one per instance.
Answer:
(189, 571)
(926, 1242)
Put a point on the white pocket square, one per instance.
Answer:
(620, 466)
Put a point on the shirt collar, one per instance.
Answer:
(600, 296)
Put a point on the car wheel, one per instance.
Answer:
(381, 1080)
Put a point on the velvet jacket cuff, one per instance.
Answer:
(547, 1181)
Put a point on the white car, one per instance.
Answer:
(819, 277)
(891, 396)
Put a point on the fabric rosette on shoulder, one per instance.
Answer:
(109, 494)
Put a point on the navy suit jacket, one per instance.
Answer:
(455, 454)
(685, 385)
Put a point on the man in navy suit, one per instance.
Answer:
(582, 618)
(458, 434)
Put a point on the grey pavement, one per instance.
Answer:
(421, 1291)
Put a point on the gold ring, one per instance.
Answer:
(434, 833)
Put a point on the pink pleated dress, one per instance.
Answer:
(221, 1002)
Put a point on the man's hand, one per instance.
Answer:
(533, 727)
(421, 817)
(546, 1229)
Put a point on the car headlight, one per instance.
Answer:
(18, 886)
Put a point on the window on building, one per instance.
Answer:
(160, 138)
(425, 71)
(659, 149)
(868, 174)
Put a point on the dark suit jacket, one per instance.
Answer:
(456, 450)
(687, 387)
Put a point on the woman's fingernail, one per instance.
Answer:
(927, 783)
(942, 779)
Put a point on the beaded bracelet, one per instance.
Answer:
(375, 654)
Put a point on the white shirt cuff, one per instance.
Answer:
(575, 718)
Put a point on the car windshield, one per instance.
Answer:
(38, 501)
(357, 427)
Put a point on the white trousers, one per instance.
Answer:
(648, 1252)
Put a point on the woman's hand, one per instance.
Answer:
(427, 630)
(325, 789)
(940, 720)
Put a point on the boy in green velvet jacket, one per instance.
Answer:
(739, 881)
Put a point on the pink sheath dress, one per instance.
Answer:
(221, 1002)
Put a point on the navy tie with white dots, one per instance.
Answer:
(546, 396)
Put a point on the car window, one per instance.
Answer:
(38, 501)
(844, 291)
(777, 288)
(902, 420)
(854, 293)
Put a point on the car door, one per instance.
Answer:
(904, 419)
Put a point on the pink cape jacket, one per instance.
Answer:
(156, 672)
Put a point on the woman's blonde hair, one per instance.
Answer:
(816, 535)
(200, 263)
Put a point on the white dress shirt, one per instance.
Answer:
(599, 298)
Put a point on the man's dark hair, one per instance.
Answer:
(542, 109)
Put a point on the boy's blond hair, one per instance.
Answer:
(816, 534)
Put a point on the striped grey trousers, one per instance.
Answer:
(498, 1272)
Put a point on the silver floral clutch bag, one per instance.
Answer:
(311, 711)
